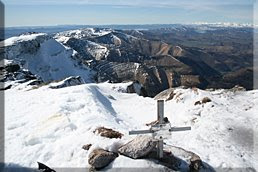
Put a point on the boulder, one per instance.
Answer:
(138, 147)
(178, 159)
(206, 100)
(100, 158)
(107, 132)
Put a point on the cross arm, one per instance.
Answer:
(179, 128)
(140, 132)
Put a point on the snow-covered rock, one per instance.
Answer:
(70, 81)
(82, 33)
(138, 147)
(17, 39)
(136, 87)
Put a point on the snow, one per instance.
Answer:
(96, 50)
(17, 39)
(50, 61)
(226, 24)
(56, 123)
(82, 33)
(5, 62)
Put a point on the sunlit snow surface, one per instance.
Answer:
(45, 57)
(21, 38)
(52, 125)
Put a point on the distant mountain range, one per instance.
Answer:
(14, 31)
(155, 56)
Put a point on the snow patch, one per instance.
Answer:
(21, 38)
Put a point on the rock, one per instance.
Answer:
(238, 88)
(100, 158)
(42, 167)
(70, 81)
(3, 87)
(206, 100)
(136, 87)
(107, 132)
(138, 147)
(203, 101)
(177, 51)
(86, 147)
(13, 72)
(178, 159)
(35, 82)
(197, 103)
(195, 163)
(12, 68)
(169, 160)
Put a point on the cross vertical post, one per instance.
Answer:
(160, 129)
(160, 148)
(160, 110)
(160, 113)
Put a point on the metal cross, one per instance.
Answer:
(160, 129)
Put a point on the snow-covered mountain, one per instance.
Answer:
(56, 123)
(165, 57)
(53, 103)
(44, 57)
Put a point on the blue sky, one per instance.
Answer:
(60, 12)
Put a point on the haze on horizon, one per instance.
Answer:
(106, 12)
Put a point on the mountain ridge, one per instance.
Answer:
(163, 62)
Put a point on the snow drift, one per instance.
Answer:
(56, 123)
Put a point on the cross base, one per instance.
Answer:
(160, 130)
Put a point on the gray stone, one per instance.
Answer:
(178, 159)
(100, 158)
(138, 147)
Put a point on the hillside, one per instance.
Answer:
(56, 123)
(60, 87)
(191, 56)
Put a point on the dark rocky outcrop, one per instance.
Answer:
(13, 72)
(42, 167)
(157, 59)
